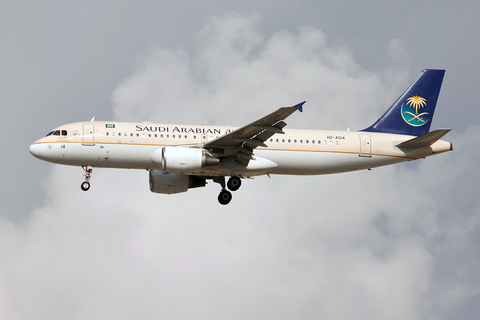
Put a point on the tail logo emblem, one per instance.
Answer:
(410, 111)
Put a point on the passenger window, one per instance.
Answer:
(161, 136)
(185, 136)
(295, 141)
(155, 135)
(138, 135)
(179, 136)
(107, 134)
(194, 137)
(168, 136)
(271, 140)
(277, 140)
(313, 141)
(113, 134)
(289, 140)
(131, 134)
(125, 134)
(337, 143)
(143, 135)
(325, 142)
(283, 140)
(149, 135)
(173, 136)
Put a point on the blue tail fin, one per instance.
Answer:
(412, 113)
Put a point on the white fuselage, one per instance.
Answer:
(297, 152)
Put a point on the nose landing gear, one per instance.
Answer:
(88, 174)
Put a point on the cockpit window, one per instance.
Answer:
(64, 132)
(49, 134)
(56, 133)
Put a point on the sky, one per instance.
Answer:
(399, 242)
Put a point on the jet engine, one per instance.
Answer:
(170, 183)
(182, 159)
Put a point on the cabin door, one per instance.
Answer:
(88, 138)
(365, 146)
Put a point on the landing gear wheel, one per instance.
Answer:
(234, 183)
(224, 197)
(85, 185)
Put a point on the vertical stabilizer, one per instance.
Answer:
(412, 113)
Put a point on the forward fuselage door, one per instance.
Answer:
(88, 134)
(365, 146)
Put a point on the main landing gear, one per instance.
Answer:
(233, 184)
(88, 174)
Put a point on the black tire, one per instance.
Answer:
(224, 197)
(234, 183)
(85, 185)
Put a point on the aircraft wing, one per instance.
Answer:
(241, 142)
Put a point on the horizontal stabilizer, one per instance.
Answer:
(424, 140)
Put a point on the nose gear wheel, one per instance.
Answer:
(88, 174)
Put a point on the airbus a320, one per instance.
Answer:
(180, 157)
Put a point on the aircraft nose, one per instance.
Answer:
(35, 150)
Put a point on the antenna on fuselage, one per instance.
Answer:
(93, 119)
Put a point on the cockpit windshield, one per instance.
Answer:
(57, 133)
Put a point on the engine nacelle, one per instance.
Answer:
(170, 183)
(182, 159)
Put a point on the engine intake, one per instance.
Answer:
(182, 159)
(170, 183)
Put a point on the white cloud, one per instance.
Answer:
(235, 75)
(374, 245)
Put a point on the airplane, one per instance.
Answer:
(180, 157)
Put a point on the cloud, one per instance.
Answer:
(396, 243)
(235, 73)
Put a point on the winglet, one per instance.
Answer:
(299, 106)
